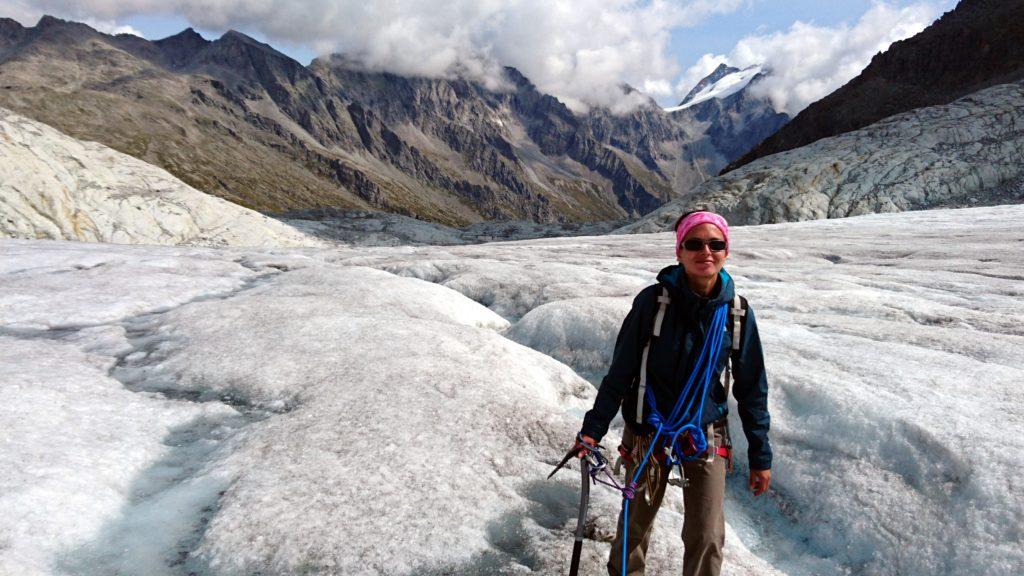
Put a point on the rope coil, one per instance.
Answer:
(683, 417)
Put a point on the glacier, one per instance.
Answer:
(395, 410)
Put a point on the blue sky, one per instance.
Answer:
(720, 32)
(578, 50)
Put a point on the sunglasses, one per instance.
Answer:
(696, 245)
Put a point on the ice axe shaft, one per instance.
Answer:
(581, 521)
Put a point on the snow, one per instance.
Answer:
(725, 87)
(395, 410)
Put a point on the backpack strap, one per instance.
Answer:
(737, 320)
(663, 302)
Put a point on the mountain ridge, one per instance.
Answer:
(238, 119)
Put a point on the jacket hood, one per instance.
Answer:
(674, 277)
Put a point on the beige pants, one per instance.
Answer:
(703, 516)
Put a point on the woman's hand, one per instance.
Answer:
(759, 481)
(586, 441)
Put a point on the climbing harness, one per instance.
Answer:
(680, 435)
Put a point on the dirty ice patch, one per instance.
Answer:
(514, 288)
(75, 446)
(579, 332)
(60, 285)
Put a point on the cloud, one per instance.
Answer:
(111, 27)
(657, 87)
(578, 50)
(808, 62)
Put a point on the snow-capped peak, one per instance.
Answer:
(725, 86)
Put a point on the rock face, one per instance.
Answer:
(969, 152)
(978, 44)
(237, 119)
(55, 187)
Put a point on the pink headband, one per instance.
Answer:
(698, 218)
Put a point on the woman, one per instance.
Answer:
(692, 292)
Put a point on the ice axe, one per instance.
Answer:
(594, 457)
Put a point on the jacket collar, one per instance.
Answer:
(674, 278)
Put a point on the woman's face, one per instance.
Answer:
(702, 263)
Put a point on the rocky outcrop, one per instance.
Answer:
(527, 143)
(55, 187)
(978, 44)
(969, 152)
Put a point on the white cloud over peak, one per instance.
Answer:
(111, 27)
(579, 50)
(808, 62)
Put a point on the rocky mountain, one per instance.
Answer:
(723, 82)
(53, 186)
(966, 153)
(978, 44)
(734, 119)
(237, 119)
(707, 83)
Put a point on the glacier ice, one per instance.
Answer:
(394, 410)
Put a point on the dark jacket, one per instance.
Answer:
(671, 357)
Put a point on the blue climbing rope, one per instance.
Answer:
(683, 419)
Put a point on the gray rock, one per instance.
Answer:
(736, 123)
(55, 187)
